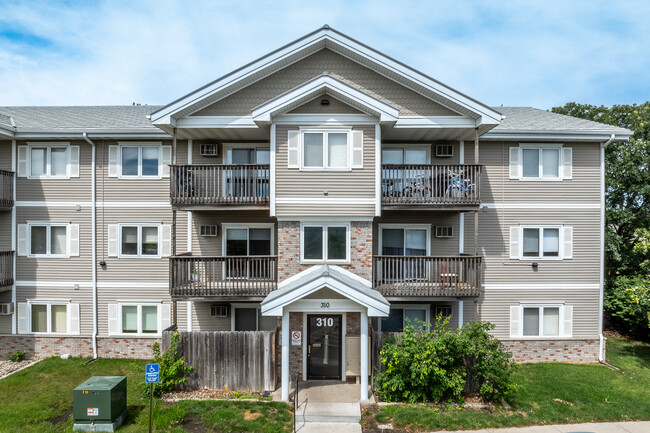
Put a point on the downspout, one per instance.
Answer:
(14, 248)
(94, 240)
(601, 338)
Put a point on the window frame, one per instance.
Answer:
(48, 160)
(426, 308)
(139, 145)
(235, 306)
(48, 239)
(139, 255)
(405, 227)
(325, 132)
(139, 305)
(540, 147)
(48, 319)
(226, 226)
(540, 306)
(324, 227)
(407, 146)
(541, 228)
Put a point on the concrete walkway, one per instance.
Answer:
(605, 427)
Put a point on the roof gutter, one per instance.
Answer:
(601, 291)
(94, 239)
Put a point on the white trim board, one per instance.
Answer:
(550, 286)
(555, 205)
(324, 200)
(107, 204)
(86, 284)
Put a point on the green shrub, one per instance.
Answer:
(439, 364)
(173, 370)
(627, 303)
(17, 356)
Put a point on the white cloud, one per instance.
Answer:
(539, 53)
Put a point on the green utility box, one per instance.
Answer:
(99, 404)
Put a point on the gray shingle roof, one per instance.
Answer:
(534, 119)
(79, 117)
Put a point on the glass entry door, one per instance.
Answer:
(324, 347)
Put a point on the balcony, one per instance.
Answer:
(204, 186)
(6, 269)
(239, 277)
(420, 276)
(6, 189)
(454, 186)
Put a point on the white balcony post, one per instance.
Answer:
(460, 314)
(285, 355)
(364, 356)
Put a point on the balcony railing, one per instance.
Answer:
(6, 189)
(6, 268)
(427, 276)
(220, 185)
(428, 184)
(234, 276)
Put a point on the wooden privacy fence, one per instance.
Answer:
(239, 360)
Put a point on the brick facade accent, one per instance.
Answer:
(553, 350)
(289, 254)
(139, 348)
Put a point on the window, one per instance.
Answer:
(326, 149)
(406, 155)
(49, 318)
(48, 240)
(325, 243)
(48, 161)
(400, 316)
(248, 242)
(443, 310)
(139, 240)
(541, 242)
(140, 161)
(139, 319)
(249, 318)
(541, 162)
(541, 321)
(404, 241)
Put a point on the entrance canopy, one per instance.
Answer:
(356, 292)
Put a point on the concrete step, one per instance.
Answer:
(328, 412)
(328, 427)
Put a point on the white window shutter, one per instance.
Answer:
(73, 233)
(73, 319)
(165, 316)
(166, 240)
(166, 160)
(22, 239)
(23, 323)
(74, 161)
(515, 320)
(514, 242)
(112, 240)
(357, 149)
(22, 161)
(113, 157)
(112, 319)
(515, 166)
(567, 242)
(567, 163)
(568, 320)
(293, 149)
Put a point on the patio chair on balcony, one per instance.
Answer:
(449, 274)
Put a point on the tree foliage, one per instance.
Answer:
(173, 370)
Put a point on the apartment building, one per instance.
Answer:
(324, 190)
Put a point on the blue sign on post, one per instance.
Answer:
(152, 373)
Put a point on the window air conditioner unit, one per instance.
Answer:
(209, 149)
(211, 230)
(444, 150)
(6, 309)
(218, 311)
(444, 231)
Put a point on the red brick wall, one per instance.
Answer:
(553, 350)
(42, 347)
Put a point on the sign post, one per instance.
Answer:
(151, 376)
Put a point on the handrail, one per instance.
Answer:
(6, 268)
(6, 188)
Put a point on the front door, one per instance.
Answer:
(324, 346)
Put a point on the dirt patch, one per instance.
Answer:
(214, 394)
(249, 416)
(193, 424)
(61, 418)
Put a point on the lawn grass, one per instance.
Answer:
(39, 399)
(549, 394)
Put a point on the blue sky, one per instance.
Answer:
(525, 52)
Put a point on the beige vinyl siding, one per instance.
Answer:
(495, 308)
(354, 184)
(5, 321)
(73, 189)
(407, 101)
(494, 246)
(439, 246)
(5, 231)
(197, 158)
(334, 106)
(113, 295)
(201, 320)
(496, 187)
(181, 315)
(5, 155)
(212, 245)
(73, 269)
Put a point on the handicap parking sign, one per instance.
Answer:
(152, 373)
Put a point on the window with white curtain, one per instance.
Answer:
(543, 321)
(138, 319)
(139, 240)
(48, 240)
(326, 149)
(49, 318)
(539, 242)
(48, 161)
